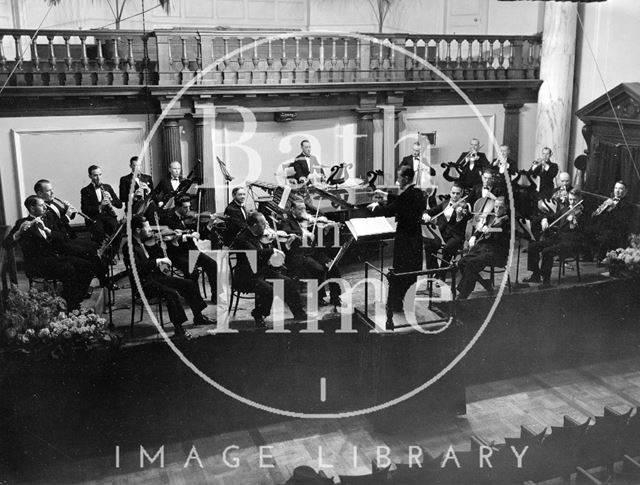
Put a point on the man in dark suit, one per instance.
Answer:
(452, 223)
(472, 165)
(547, 171)
(168, 186)
(57, 217)
(149, 262)
(561, 195)
(98, 201)
(44, 257)
(407, 208)
(504, 168)
(305, 163)
(489, 247)
(143, 184)
(421, 169)
(237, 214)
(486, 188)
(307, 260)
(611, 221)
(255, 279)
(178, 250)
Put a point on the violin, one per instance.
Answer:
(161, 235)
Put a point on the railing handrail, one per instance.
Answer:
(533, 37)
(76, 33)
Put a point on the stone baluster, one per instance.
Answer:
(66, 76)
(52, 68)
(244, 75)
(481, 65)
(312, 75)
(83, 74)
(491, 72)
(346, 73)
(185, 73)
(256, 76)
(324, 69)
(501, 71)
(298, 73)
(469, 71)
(273, 76)
(198, 73)
(286, 73)
(458, 73)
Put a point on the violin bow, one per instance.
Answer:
(198, 217)
(442, 211)
(565, 214)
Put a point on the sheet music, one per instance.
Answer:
(371, 226)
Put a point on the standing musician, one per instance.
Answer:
(143, 184)
(149, 261)
(561, 195)
(237, 214)
(611, 221)
(421, 169)
(306, 261)
(547, 171)
(98, 201)
(452, 217)
(305, 163)
(563, 238)
(407, 208)
(185, 241)
(489, 246)
(57, 217)
(168, 186)
(269, 260)
(472, 164)
(43, 255)
(504, 164)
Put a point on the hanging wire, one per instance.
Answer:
(132, 16)
(19, 61)
(606, 92)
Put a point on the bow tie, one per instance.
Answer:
(486, 188)
(616, 199)
(175, 178)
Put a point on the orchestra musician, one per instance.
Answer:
(453, 216)
(237, 215)
(178, 250)
(99, 201)
(489, 246)
(504, 164)
(310, 262)
(561, 195)
(407, 208)
(421, 169)
(269, 261)
(43, 256)
(486, 188)
(143, 183)
(564, 238)
(57, 217)
(305, 163)
(149, 261)
(168, 186)
(546, 170)
(471, 163)
(611, 221)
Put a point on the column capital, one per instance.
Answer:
(513, 108)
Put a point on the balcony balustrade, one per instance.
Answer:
(174, 57)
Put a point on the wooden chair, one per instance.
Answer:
(137, 300)
(562, 262)
(237, 289)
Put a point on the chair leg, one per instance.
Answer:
(237, 301)
(492, 274)
(204, 286)
(578, 265)
(160, 312)
(133, 313)
(141, 311)
(509, 283)
(560, 266)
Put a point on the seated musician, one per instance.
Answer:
(310, 262)
(168, 186)
(149, 261)
(611, 221)
(178, 250)
(452, 218)
(421, 169)
(269, 261)
(563, 238)
(504, 164)
(44, 257)
(407, 208)
(486, 189)
(489, 246)
(305, 163)
(99, 201)
(237, 215)
(547, 170)
(143, 184)
(471, 164)
(561, 195)
(58, 216)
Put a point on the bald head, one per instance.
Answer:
(564, 180)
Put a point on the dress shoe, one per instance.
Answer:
(300, 315)
(533, 278)
(202, 320)
(259, 319)
(180, 334)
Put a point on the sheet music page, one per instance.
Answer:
(371, 226)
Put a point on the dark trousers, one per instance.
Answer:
(407, 257)
(180, 258)
(548, 249)
(306, 266)
(172, 288)
(87, 250)
(479, 257)
(74, 273)
(449, 250)
(264, 293)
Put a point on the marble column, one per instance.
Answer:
(364, 141)
(511, 130)
(170, 143)
(556, 71)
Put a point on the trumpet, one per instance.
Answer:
(69, 206)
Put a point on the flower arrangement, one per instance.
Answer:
(625, 260)
(36, 322)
